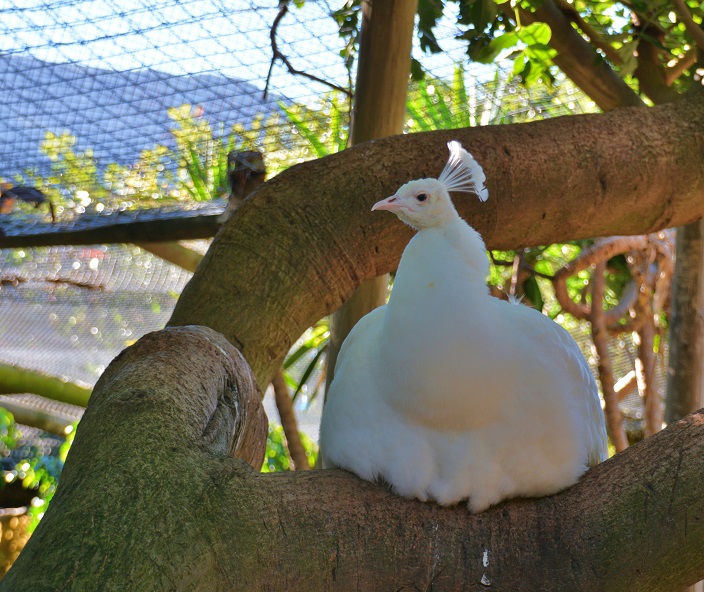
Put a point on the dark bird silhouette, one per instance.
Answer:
(31, 195)
(245, 172)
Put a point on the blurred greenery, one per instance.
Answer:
(9, 433)
(35, 472)
(276, 457)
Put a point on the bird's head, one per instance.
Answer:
(426, 203)
(423, 203)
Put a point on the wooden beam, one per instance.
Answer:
(134, 226)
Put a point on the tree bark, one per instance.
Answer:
(614, 419)
(684, 380)
(579, 61)
(620, 171)
(379, 110)
(151, 499)
(644, 339)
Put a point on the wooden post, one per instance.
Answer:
(379, 110)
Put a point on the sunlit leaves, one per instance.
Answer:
(348, 21)
(429, 13)
(324, 127)
(276, 457)
(201, 154)
(9, 433)
(307, 358)
(533, 55)
(36, 472)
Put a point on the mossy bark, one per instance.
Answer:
(152, 499)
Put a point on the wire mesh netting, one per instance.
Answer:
(105, 103)
(69, 311)
(107, 73)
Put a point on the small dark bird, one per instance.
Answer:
(9, 194)
(245, 172)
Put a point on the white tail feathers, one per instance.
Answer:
(463, 173)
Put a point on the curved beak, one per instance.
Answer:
(390, 203)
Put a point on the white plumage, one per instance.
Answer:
(449, 394)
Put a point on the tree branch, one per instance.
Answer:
(649, 72)
(592, 164)
(134, 226)
(597, 253)
(683, 64)
(289, 422)
(190, 517)
(694, 30)
(15, 379)
(580, 62)
(277, 55)
(594, 37)
(614, 420)
(174, 252)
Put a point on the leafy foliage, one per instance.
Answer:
(310, 351)
(195, 170)
(202, 155)
(325, 129)
(276, 457)
(36, 472)
(9, 433)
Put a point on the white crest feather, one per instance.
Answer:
(463, 173)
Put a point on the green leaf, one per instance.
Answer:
(318, 147)
(417, 72)
(534, 34)
(429, 13)
(532, 291)
(540, 51)
(486, 55)
(459, 99)
(309, 371)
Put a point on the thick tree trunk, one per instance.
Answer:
(151, 499)
(379, 109)
(266, 277)
(684, 379)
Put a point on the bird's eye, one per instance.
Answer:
(422, 196)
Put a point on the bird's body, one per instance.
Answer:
(448, 393)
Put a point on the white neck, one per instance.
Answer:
(451, 258)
